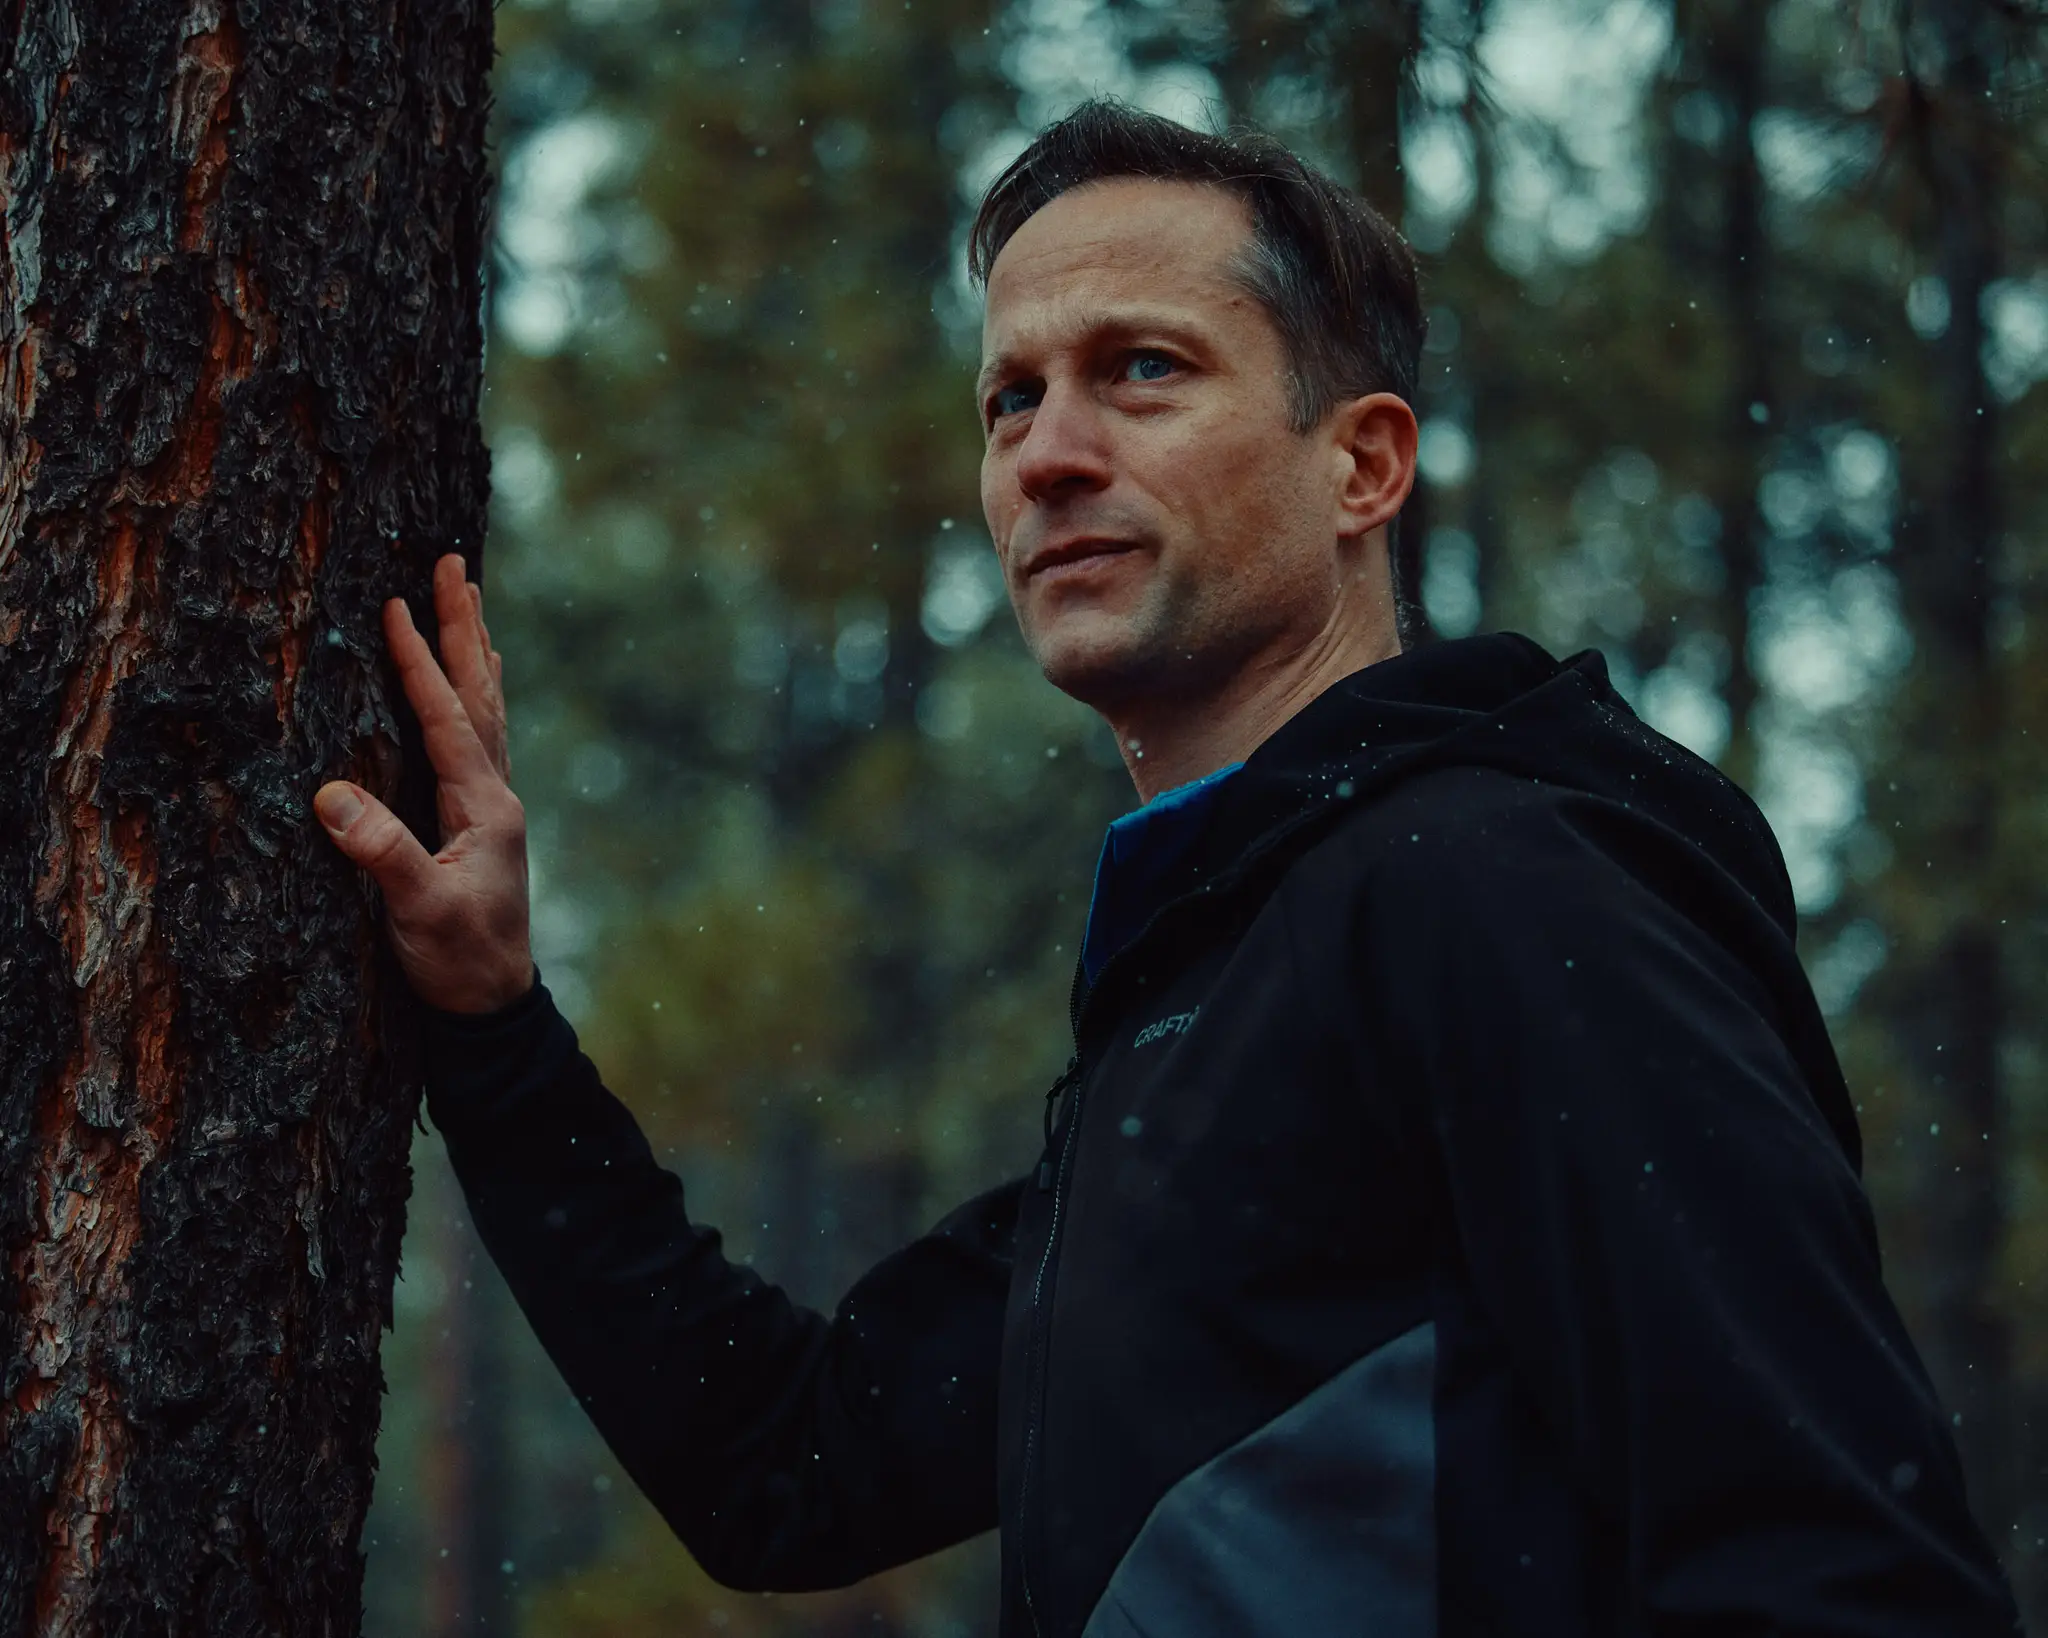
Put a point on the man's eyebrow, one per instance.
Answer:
(994, 370)
(1112, 326)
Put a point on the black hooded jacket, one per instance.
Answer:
(1450, 1224)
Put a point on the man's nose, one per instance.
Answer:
(1065, 450)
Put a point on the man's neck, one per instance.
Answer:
(1168, 743)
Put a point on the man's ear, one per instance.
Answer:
(1374, 439)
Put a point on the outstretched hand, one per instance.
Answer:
(458, 918)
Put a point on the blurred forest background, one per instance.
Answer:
(1738, 325)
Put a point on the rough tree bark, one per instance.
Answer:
(239, 372)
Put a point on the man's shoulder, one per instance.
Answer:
(1469, 862)
(1453, 845)
(1454, 816)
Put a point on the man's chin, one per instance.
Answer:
(1103, 667)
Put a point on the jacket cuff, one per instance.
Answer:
(474, 1061)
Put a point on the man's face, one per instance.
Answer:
(1160, 524)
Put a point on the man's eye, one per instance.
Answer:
(1148, 367)
(1010, 400)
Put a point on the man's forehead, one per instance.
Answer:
(1127, 225)
(1111, 250)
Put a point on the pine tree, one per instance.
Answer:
(239, 373)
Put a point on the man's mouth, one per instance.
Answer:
(1074, 553)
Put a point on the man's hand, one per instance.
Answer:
(457, 918)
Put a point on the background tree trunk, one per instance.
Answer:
(239, 373)
(468, 1471)
(1732, 38)
(1375, 49)
(1947, 993)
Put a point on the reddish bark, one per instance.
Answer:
(239, 368)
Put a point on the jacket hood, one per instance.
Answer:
(1502, 702)
(1497, 701)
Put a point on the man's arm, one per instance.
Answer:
(788, 1451)
(1666, 1235)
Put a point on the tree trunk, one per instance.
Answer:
(1732, 41)
(1949, 1006)
(468, 1477)
(239, 371)
(1376, 47)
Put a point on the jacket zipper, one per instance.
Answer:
(1053, 1174)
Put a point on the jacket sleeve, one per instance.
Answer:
(1664, 1235)
(788, 1450)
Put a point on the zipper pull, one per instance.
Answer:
(1052, 1098)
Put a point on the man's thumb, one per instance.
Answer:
(339, 805)
(370, 835)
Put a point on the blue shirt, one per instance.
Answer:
(1136, 873)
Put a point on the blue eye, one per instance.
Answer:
(1148, 367)
(1012, 400)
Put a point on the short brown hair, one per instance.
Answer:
(1339, 281)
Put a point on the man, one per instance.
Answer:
(1449, 1221)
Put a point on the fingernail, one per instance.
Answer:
(338, 807)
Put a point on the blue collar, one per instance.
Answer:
(1136, 873)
